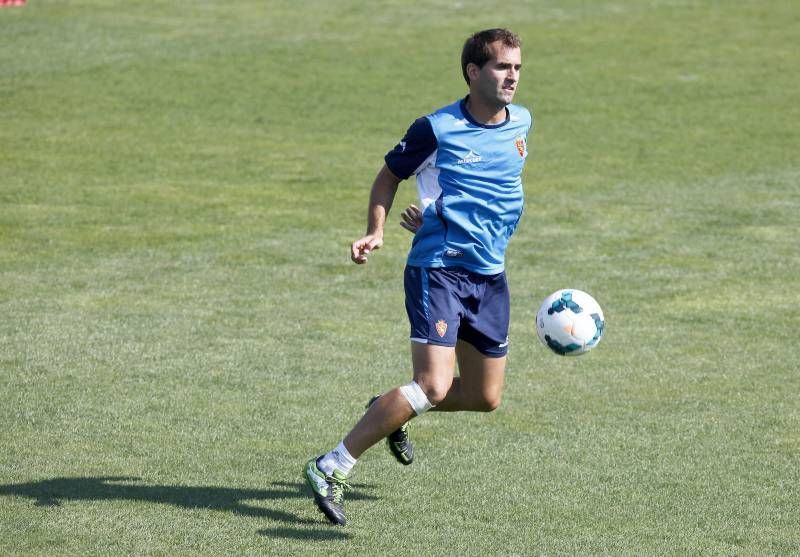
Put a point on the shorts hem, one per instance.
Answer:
(420, 340)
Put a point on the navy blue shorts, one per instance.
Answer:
(450, 303)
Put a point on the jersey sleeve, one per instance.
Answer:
(417, 145)
(531, 123)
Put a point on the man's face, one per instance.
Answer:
(496, 82)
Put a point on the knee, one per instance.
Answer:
(488, 403)
(436, 391)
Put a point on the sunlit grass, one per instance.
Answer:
(181, 326)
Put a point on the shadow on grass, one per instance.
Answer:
(330, 533)
(51, 493)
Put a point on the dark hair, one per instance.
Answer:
(476, 49)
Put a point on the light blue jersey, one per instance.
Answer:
(469, 179)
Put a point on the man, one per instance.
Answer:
(468, 159)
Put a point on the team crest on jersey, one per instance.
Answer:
(522, 148)
(441, 327)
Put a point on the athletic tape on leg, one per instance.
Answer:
(416, 398)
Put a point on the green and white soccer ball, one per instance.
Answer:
(570, 322)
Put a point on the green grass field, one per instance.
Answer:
(181, 328)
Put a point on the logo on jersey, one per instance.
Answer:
(471, 157)
(441, 327)
(402, 146)
(522, 148)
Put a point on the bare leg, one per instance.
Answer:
(433, 372)
(385, 415)
(479, 387)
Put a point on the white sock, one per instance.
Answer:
(338, 459)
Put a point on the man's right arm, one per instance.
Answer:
(401, 162)
(381, 198)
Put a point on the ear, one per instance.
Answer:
(472, 71)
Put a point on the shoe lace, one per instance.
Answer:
(400, 435)
(338, 486)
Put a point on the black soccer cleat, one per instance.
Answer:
(398, 441)
(328, 491)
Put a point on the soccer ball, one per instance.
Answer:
(570, 322)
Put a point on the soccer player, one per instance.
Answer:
(468, 159)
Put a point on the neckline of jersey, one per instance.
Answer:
(468, 116)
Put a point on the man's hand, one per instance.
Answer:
(361, 248)
(412, 219)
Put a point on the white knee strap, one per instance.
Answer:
(416, 398)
